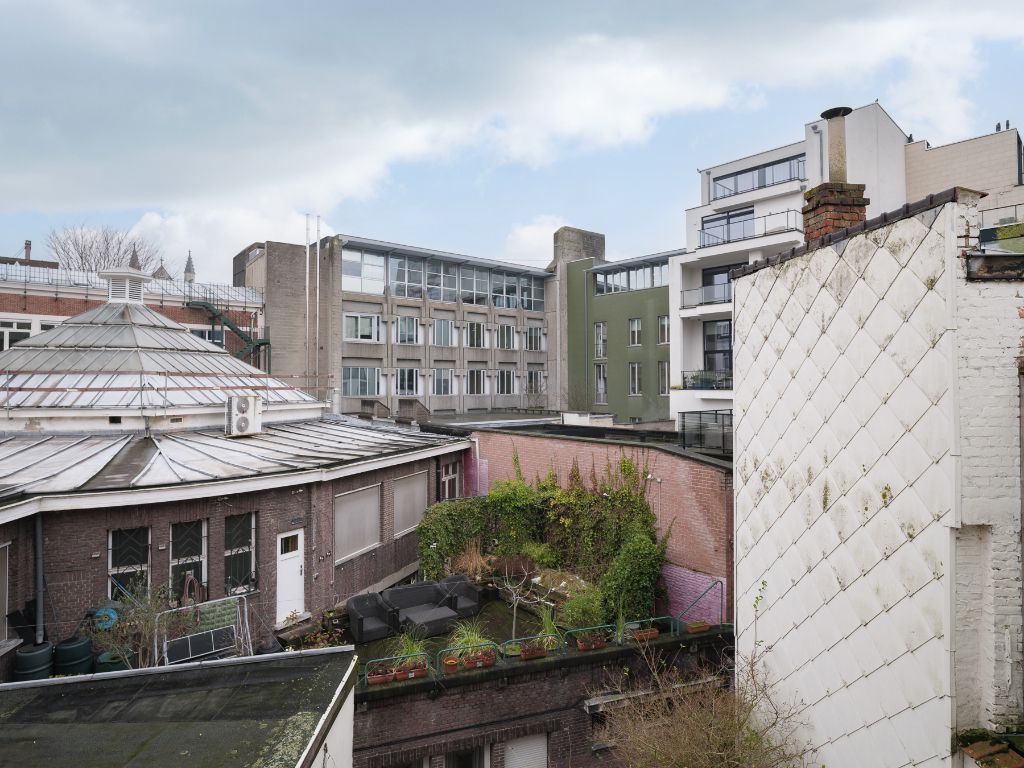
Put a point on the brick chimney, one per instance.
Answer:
(834, 204)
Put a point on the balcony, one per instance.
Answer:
(706, 380)
(709, 431)
(706, 294)
(745, 229)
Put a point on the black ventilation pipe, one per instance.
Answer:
(39, 578)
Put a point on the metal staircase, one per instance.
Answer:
(250, 346)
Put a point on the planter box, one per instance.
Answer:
(643, 635)
(380, 678)
(411, 673)
(591, 644)
(476, 662)
(533, 653)
(697, 626)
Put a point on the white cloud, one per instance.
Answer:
(533, 243)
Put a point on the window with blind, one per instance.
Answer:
(410, 501)
(356, 522)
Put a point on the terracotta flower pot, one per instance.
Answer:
(591, 643)
(537, 651)
(643, 635)
(477, 660)
(697, 626)
(411, 671)
(451, 665)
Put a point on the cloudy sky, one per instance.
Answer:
(471, 127)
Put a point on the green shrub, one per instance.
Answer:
(542, 554)
(445, 530)
(630, 582)
(517, 512)
(584, 609)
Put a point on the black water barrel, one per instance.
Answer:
(110, 662)
(73, 657)
(34, 662)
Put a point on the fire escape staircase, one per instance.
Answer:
(249, 344)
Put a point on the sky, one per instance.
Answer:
(478, 128)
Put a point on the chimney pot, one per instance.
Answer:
(28, 250)
(836, 118)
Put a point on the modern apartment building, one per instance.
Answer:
(751, 208)
(396, 330)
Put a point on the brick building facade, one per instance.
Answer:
(690, 494)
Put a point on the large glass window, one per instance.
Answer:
(726, 227)
(506, 336)
(442, 378)
(356, 522)
(442, 281)
(444, 333)
(188, 557)
(531, 289)
(362, 328)
(631, 278)
(635, 387)
(533, 339)
(408, 381)
(476, 335)
(239, 553)
(601, 383)
(362, 272)
(410, 501)
(127, 559)
(634, 332)
(358, 382)
(406, 277)
(407, 330)
(474, 285)
(476, 381)
(505, 380)
(534, 382)
(600, 340)
(718, 346)
(758, 177)
(505, 290)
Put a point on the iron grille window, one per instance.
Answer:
(240, 553)
(188, 556)
(128, 559)
(506, 336)
(533, 339)
(475, 381)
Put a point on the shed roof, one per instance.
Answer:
(262, 710)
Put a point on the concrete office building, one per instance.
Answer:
(397, 330)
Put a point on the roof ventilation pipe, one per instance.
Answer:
(836, 118)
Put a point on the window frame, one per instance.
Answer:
(374, 321)
(436, 375)
(503, 375)
(203, 560)
(403, 323)
(374, 379)
(481, 375)
(601, 340)
(600, 375)
(664, 329)
(334, 523)
(533, 338)
(113, 570)
(407, 391)
(251, 549)
(449, 325)
(636, 332)
(506, 336)
(450, 478)
(481, 329)
(394, 507)
(636, 379)
(663, 378)
(535, 382)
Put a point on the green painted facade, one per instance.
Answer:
(585, 308)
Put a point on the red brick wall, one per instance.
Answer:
(693, 497)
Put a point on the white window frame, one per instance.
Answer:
(374, 380)
(506, 336)
(470, 327)
(250, 549)
(144, 567)
(535, 382)
(601, 383)
(449, 325)
(407, 390)
(663, 329)
(451, 478)
(505, 375)
(203, 554)
(635, 380)
(374, 321)
(334, 523)
(533, 339)
(426, 482)
(481, 375)
(635, 332)
(435, 378)
(600, 341)
(663, 378)
(403, 333)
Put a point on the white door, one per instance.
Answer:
(290, 584)
(527, 752)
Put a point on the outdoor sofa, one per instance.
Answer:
(422, 608)
(370, 618)
(466, 594)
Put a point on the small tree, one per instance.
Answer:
(520, 592)
(131, 635)
(95, 248)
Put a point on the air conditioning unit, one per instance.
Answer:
(244, 415)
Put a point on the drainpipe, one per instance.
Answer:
(39, 578)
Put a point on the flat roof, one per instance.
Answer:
(260, 710)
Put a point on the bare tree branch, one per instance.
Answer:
(93, 249)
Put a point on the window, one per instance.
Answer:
(663, 329)
(726, 227)
(188, 556)
(407, 381)
(506, 381)
(531, 291)
(212, 335)
(475, 378)
(362, 272)
(631, 278)
(406, 277)
(663, 377)
(13, 331)
(718, 346)
(474, 285)
(505, 290)
(5, 550)
(407, 330)
(359, 382)
(634, 379)
(475, 335)
(451, 477)
(442, 281)
(601, 383)
(468, 758)
(600, 340)
(534, 382)
(533, 339)
(410, 501)
(239, 553)
(443, 381)
(127, 558)
(506, 336)
(634, 332)
(356, 522)
(444, 333)
(758, 177)
(362, 328)
(715, 285)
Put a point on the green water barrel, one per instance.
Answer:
(73, 657)
(110, 662)
(33, 662)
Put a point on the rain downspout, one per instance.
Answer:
(39, 578)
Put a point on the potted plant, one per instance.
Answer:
(474, 649)
(450, 664)
(548, 628)
(532, 649)
(380, 674)
(411, 652)
(642, 635)
(591, 641)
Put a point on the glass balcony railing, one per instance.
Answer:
(706, 380)
(706, 294)
(706, 431)
(745, 229)
(1000, 217)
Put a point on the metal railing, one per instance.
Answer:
(745, 229)
(1000, 217)
(705, 380)
(706, 430)
(216, 293)
(706, 294)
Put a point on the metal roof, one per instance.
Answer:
(128, 356)
(35, 464)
